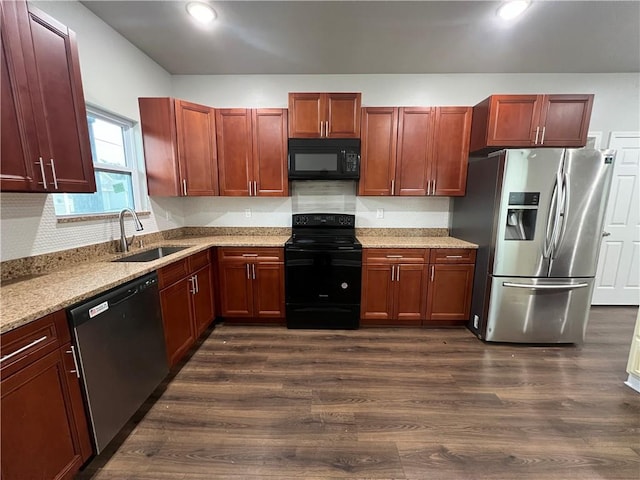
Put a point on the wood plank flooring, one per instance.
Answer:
(266, 402)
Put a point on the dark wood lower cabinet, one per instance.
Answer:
(44, 426)
(186, 302)
(416, 287)
(251, 283)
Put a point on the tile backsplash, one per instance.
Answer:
(323, 196)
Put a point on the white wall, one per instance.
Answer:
(616, 107)
(114, 74)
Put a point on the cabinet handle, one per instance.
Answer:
(544, 129)
(20, 350)
(184, 187)
(433, 189)
(195, 277)
(75, 361)
(55, 177)
(454, 256)
(537, 133)
(394, 256)
(428, 187)
(44, 177)
(249, 254)
(192, 290)
(249, 188)
(255, 188)
(326, 129)
(321, 129)
(248, 272)
(398, 274)
(432, 272)
(393, 187)
(253, 270)
(393, 271)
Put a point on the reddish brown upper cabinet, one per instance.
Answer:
(252, 152)
(523, 121)
(251, 283)
(324, 115)
(44, 425)
(45, 134)
(414, 150)
(179, 140)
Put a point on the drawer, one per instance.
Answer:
(251, 255)
(453, 255)
(395, 255)
(172, 273)
(199, 260)
(31, 342)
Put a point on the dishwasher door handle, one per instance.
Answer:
(126, 295)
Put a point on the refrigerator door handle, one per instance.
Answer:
(545, 287)
(562, 216)
(552, 219)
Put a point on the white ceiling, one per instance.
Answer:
(355, 37)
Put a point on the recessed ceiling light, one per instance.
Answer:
(512, 9)
(202, 12)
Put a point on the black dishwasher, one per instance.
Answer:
(121, 353)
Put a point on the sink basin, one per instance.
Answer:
(150, 255)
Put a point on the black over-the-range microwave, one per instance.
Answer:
(324, 158)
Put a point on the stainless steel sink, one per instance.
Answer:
(150, 255)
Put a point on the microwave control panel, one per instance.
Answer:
(351, 161)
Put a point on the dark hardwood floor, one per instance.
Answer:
(265, 402)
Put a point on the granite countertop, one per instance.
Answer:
(28, 298)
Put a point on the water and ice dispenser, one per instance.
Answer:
(522, 212)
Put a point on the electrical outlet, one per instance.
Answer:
(168, 214)
(247, 212)
(380, 213)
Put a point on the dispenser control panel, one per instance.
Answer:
(524, 198)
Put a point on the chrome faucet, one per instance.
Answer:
(124, 243)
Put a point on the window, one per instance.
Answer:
(114, 164)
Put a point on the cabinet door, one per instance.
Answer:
(410, 302)
(39, 431)
(565, 120)
(268, 290)
(176, 318)
(233, 128)
(450, 292)
(19, 141)
(61, 119)
(203, 311)
(236, 296)
(450, 150)
(415, 136)
(513, 120)
(196, 142)
(376, 306)
(378, 151)
(306, 114)
(270, 152)
(342, 115)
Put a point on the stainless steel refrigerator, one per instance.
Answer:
(537, 216)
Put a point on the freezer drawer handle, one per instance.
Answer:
(545, 287)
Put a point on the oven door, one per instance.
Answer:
(323, 277)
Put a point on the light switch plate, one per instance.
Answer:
(247, 212)
(380, 213)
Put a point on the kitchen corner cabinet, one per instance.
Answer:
(186, 299)
(324, 115)
(251, 283)
(252, 152)
(414, 150)
(524, 121)
(44, 426)
(45, 134)
(179, 140)
(394, 285)
(451, 273)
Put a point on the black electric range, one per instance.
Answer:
(323, 272)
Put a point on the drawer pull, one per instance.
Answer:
(20, 350)
(394, 256)
(249, 254)
(454, 256)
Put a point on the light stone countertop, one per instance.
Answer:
(29, 298)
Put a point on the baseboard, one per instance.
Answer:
(633, 382)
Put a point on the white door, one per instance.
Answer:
(618, 274)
